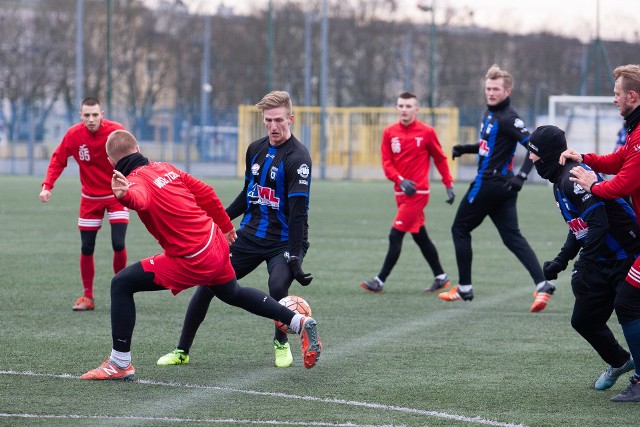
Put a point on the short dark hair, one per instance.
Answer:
(90, 101)
(407, 95)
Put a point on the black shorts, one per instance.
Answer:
(248, 252)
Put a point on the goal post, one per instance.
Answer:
(591, 123)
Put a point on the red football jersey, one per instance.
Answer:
(406, 152)
(176, 208)
(625, 164)
(88, 149)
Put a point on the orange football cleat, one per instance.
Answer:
(311, 345)
(84, 304)
(110, 371)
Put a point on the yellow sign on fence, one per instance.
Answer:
(353, 135)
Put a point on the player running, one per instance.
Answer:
(494, 191)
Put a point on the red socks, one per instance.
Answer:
(87, 272)
(119, 260)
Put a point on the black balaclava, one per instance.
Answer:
(547, 142)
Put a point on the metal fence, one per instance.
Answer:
(351, 151)
(353, 135)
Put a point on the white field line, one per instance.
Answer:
(192, 420)
(374, 337)
(422, 412)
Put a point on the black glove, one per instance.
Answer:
(303, 278)
(516, 182)
(457, 151)
(408, 186)
(451, 195)
(552, 268)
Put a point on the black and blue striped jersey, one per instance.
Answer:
(501, 130)
(275, 197)
(604, 229)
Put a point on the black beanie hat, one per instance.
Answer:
(547, 141)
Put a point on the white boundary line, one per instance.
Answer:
(423, 412)
(190, 420)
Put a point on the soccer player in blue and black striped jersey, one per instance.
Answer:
(604, 234)
(494, 191)
(274, 228)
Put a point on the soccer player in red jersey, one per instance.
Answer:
(189, 222)
(85, 141)
(407, 149)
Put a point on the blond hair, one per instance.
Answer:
(275, 99)
(121, 143)
(494, 73)
(630, 80)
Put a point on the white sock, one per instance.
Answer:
(441, 276)
(377, 279)
(465, 288)
(121, 359)
(541, 284)
(295, 323)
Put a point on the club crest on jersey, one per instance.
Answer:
(577, 189)
(255, 169)
(519, 124)
(259, 195)
(304, 170)
(395, 145)
(273, 172)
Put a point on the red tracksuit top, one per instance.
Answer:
(88, 149)
(625, 164)
(176, 208)
(406, 151)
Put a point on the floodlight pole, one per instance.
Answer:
(324, 75)
(270, 48)
(109, 13)
(79, 51)
(432, 54)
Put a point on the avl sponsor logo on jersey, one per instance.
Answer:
(579, 227)
(483, 149)
(264, 196)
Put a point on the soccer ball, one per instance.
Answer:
(296, 304)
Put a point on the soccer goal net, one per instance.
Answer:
(591, 123)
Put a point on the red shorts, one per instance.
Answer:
(633, 277)
(210, 267)
(92, 212)
(410, 216)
